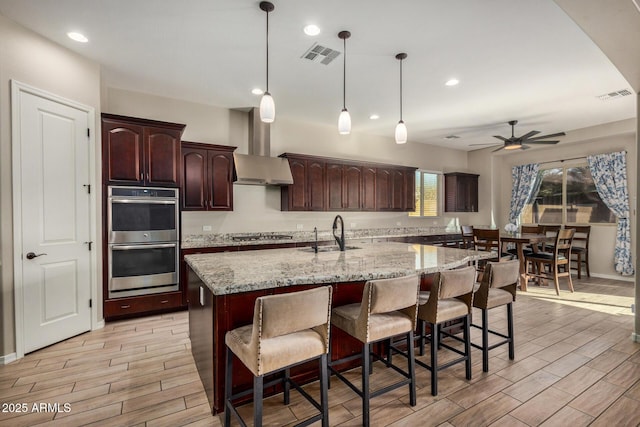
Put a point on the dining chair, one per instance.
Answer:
(467, 236)
(550, 230)
(287, 330)
(580, 248)
(557, 260)
(497, 289)
(489, 240)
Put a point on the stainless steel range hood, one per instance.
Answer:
(257, 167)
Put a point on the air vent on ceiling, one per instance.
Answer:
(321, 54)
(451, 137)
(614, 95)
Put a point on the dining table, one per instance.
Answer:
(520, 240)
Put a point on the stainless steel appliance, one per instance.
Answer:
(143, 245)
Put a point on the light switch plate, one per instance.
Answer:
(299, 226)
(206, 228)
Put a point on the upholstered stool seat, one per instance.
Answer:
(388, 309)
(450, 299)
(287, 330)
(498, 288)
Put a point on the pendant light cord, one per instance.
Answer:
(401, 90)
(344, 75)
(267, 51)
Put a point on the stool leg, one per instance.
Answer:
(467, 346)
(434, 359)
(423, 332)
(324, 393)
(389, 351)
(485, 341)
(512, 352)
(258, 384)
(412, 369)
(366, 361)
(227, 388)
(287, 386)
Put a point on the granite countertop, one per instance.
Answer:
(235, 272)
(235, 239)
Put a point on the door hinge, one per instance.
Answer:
(90, 303)
(89, 244)
(88, 133)
(88, 188)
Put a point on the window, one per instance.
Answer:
(427, 194)
(567, 195)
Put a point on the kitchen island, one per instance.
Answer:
(222, 289)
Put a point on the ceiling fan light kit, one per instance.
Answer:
(519, 142)
(267, 105)
(344, 120)
(401, 128)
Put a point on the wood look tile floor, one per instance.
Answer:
(575, 365)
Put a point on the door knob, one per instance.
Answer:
(31, 255)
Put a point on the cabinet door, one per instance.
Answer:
(297, 192)
(384, 184)
(410, 190)
(161, 152)
(368, 188)
(194, 181)
(316, 185)
(122, 153)
(398, 193)
(335, 187)
(352, 199)
(220, 181)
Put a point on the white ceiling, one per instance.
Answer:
(515, 59)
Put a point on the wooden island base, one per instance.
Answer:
(211, 316)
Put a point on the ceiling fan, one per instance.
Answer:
(518, 142)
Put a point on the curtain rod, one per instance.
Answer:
(565, 160)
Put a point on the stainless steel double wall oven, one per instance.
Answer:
(143, 238)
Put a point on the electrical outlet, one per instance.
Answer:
(206, 228)
(398, 223)
(353, 225)
(299, 226)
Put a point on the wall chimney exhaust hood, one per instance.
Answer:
(257, 167)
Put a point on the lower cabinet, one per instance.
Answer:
(144, 304)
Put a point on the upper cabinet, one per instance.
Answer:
(326, 184)
(207, 177)
(461, 192)
(140, 152)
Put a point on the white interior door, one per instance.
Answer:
(54, 223)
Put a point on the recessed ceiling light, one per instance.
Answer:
(77, 37)
(257, 91)
(452, 82)
(374, 117)
(311, 30)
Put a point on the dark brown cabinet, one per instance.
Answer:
(140, 151)
(461, 192)
(207, 177)
(326, 184)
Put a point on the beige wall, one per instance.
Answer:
(33, 60)
(257, 208)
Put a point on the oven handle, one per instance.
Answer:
(145, 201)
(127, 247)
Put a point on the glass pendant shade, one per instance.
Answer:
(401, 133)
(344, 122)
(267, 108)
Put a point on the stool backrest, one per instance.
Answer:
(456, 283)
(277, 315)
(503, 275)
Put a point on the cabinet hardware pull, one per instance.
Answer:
(164, 301)
(125, 306)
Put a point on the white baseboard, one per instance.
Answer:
(8, 358)
(98, 325)
(613, 277)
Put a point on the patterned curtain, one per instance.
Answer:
(524, 180)
(609, 173)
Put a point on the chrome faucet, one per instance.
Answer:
(315, 246)
(339, 239)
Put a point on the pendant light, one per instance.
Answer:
(267, 106)
(344, 120)
(401, 128)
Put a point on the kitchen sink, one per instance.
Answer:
(328, 248)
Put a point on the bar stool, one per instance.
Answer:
(498, 288)
(287, 330)
(450, 299)
(388, 309)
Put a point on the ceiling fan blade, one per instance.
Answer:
(543, 142)
(524, 147)
(490, 143)
(530, 134)
(553, 135)
(498, 149)
(502, 138)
